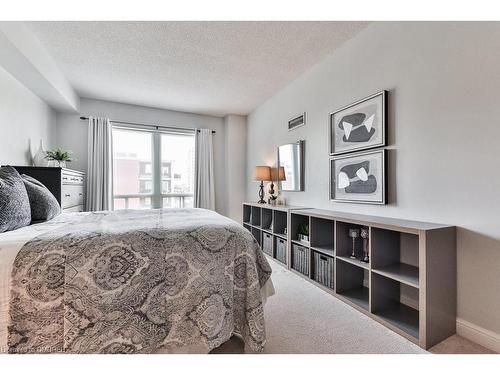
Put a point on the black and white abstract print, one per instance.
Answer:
(358, 126)
(358, 178)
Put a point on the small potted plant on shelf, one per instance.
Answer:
(58, 157)
(273, 200)
(303, 232)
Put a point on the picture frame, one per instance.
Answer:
(359, 177)
(359, 126)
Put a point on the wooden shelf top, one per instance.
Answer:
(355, 262)
(403, 317)
(280, 235)
(358, 296)
(279, 207)
(401, 272)
(301, 243)
(324, 250)
(376, 221)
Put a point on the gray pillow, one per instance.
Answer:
(44, 205)
(14, 203)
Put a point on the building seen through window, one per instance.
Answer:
(138, 184)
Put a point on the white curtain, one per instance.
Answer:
(100, 165)
(204, 189)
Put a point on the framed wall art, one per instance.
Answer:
(359, 126)
(359, 178)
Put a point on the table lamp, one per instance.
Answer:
(262, 173)
(277, 174)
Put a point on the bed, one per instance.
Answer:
(132, 281)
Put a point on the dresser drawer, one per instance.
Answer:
(71, 179)
(73, 209)
(72, 195)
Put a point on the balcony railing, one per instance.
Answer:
(177, 200)
(144, 201)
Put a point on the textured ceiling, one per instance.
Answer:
(202, 67)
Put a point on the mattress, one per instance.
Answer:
(131, 281)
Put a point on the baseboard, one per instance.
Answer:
(479, 335)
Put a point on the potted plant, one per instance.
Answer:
(58, 157)
(303, 232)
(272, 200)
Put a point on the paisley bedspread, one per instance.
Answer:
(137, 282)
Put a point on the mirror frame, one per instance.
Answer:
(300, 145)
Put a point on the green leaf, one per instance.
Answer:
(59, 155)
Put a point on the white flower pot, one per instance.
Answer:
(57, 163)
(303, 238)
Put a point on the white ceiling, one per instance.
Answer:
(211, 68)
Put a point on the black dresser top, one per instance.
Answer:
(46, 168)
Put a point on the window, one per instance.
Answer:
(145, 168)
(177, 160)
(165, 169)
(152, 169)
(146, 186)
(166, 186)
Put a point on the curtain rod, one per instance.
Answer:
(140, 124)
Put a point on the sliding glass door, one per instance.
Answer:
(132, 168)
(152, 169)
(177, 170)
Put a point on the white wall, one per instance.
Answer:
(72, 133)
(24, 120)
(444, 127)
(235, 158)
(28, 61)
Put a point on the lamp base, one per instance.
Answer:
(271, 189)
(261, 193)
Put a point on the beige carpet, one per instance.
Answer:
(301, 318)
(459, 345)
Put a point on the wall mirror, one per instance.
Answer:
(291, 158)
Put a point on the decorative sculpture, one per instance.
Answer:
(353, 233)
(365, 236)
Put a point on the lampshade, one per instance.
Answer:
(262, 173)
(278, 174)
